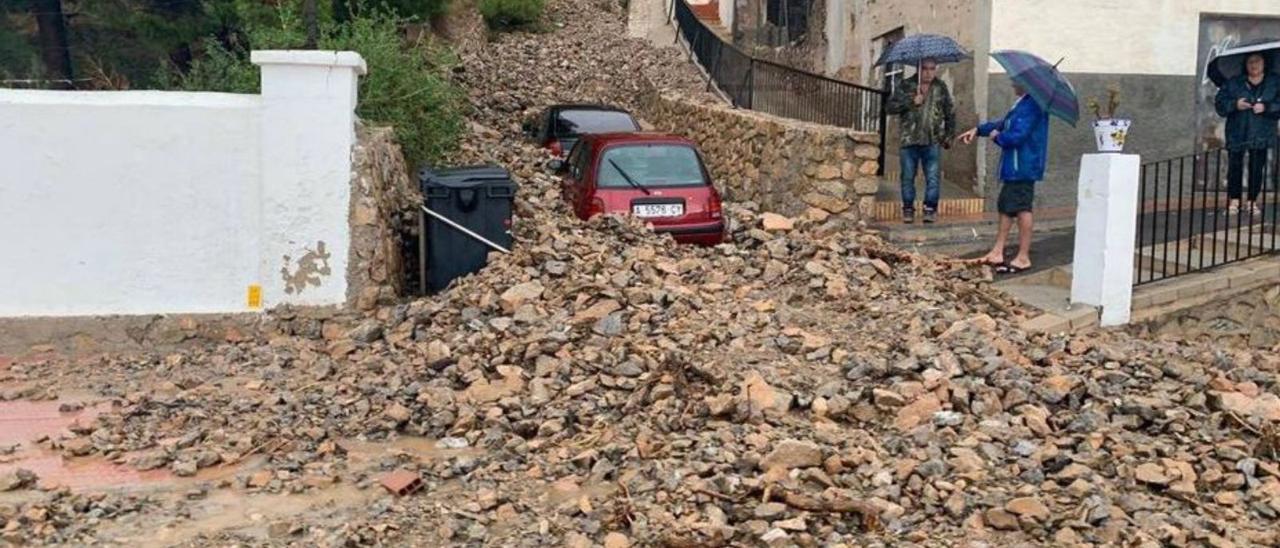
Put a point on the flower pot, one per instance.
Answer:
(1110, 134)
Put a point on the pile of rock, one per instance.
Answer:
(803, 384)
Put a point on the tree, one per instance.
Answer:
(54, 50)
(309, 19)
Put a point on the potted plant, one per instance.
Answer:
(1109, 132)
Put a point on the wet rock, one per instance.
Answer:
(17, 479)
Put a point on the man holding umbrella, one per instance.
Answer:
(926, 110)
(1023, 138)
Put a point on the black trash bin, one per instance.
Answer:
(479, 198)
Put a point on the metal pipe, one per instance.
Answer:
(465, 230)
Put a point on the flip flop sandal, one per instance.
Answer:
(1007, 269)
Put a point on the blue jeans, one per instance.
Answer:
(931, 158)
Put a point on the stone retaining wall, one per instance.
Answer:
(783, 165)
(1252, 318)
(381, 192)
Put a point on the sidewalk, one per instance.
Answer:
(971, 236)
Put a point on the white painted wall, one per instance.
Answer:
(1157, 37)
(143, 202)
(726, 13)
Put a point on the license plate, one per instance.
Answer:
(657, 210)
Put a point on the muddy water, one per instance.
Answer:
(23, 424)
(251, 515)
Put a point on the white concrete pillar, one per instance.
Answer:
(308, 130)
(1106, 219)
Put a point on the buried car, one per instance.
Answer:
(658, 177)
(559, 127)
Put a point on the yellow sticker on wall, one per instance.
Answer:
(255, 296)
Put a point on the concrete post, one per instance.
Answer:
(308, 130)
(1106, 219)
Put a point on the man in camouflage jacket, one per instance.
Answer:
(927, 114)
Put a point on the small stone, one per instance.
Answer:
(791, 454)
(917, 412)
(519, 294)
(610, 325)
(1227, 498)
(397, 412)
(1151, 473)
(186, 468)
(772, 222)
(775, 537)
(1028, 506)
(764, 398)
(17, 479)
(597, 311)
(616, 540)
(948, 418)
(793, 524)
(1000, 519)
(770, 510)
(367, 332)
(77, 447)
(887, 398)
(260, 478)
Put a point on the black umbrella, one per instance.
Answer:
(1230, 63)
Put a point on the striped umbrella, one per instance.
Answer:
(1048, 87)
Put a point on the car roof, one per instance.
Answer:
(599, 140)
(587, 106)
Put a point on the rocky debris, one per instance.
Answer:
(602, 385)
(17, 479)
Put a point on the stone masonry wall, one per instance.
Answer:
(381, 192)
(1252, 318)
(783, 165)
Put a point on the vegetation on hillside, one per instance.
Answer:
(204, 45)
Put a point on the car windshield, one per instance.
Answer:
(650, 166)
(576, 122)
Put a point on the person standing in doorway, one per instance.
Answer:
(927, 114)
(1251, 104)
(1023, 138)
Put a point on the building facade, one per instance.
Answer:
(1154, 51)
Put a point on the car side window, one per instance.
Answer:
(575, 161)
(579, 164)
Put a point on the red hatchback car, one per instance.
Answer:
(657, 177)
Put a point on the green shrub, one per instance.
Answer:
(424, 10)
(510, 14)
(218, 69)
(406, 86)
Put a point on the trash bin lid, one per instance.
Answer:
(464, 177)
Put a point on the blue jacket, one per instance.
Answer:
(1023, 140)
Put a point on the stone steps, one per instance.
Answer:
(708, 13)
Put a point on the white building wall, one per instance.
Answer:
(145, 202)
(1155, 37)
